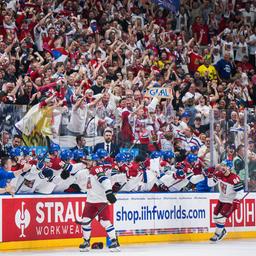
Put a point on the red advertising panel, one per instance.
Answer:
(244, 216)
(249, 212)
(239, 216)
(44, 218)
(213, 203)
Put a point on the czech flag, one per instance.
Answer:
(59, 54)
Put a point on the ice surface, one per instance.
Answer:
(223, 248)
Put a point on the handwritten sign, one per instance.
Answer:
(163, 92)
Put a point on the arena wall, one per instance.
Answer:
(38, 221)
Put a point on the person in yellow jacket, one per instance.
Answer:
(207, 70)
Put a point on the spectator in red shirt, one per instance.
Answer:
(200, 30)
(195, 59)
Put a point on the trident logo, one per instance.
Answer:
(22, 219)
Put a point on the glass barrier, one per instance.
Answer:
(233, 138)
(228, 134)
(250, 149)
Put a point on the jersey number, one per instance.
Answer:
(99, 170)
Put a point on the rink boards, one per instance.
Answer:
(36, 221)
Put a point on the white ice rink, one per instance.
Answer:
(224, 248)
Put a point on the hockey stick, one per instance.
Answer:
(132, 146)
(48, 141)
(247, 193)
(97, 213)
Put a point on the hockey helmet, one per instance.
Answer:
(155, 154)
(191, 158)
(25, 150)
(168, 154)
(78, 154)
(129, 156)
(54, 147)
(102, 153)
(65, 155)
(194, 148)
(228, 163)
(14, 152)
(93, 157)
(121, 158)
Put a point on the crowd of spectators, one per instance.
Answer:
(91, 61)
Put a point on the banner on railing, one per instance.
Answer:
(162, 92)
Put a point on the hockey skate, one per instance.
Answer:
(114, 246)
(85, 246)
(217, 238)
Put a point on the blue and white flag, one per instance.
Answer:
(171, 5)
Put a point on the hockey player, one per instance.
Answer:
(99, 194)
(18, 162)
(79, 172)
(6, 175)
(32, 179)
(174, 180)
(167, 162)
(197, 169)
(54, 158)
(16, 155)
(231, 193)
(129, 157)
(193, 168)
(148, 171)
(60, 168)
(63, 179)
(180, 177)
(105, 160)
(122, 160)
(26, 153)
(135, 174)
(117, 174)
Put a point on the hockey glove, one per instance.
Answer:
(116, 187)
(210, 172)
(40, 165)
(48, 173)
(110, 196)
(163, 188)
(65, 174)
(179, 175)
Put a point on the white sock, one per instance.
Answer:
(86, 231)
(218, 230)
(111, 232)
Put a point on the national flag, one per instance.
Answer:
(59, 54)
(36, 125)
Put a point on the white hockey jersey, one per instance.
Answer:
(97, 185)
(230, 187)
